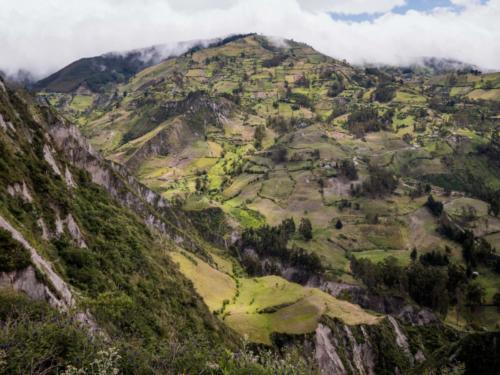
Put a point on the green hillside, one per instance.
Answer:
(302, 203)
(267, 132)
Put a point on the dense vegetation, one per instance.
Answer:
(13, 256)
(271, 243)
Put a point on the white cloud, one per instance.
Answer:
(43, 36)
(352, 6)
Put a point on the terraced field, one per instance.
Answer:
(267, 132)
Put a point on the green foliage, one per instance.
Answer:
(434, 206)
(366, 119)
(413, 254)
(389, 355)
(381, 182)
(13, 256)
(105, 363)
(274, 61)
(474, 295)
(260, 132)
(429, 286)
(271, 242)
(496, 300)
(434, 258)
(265, 362)
(385, 93)
(348, 169)
(305, 229)
(299, 99)
(37, 339)
(338, 224)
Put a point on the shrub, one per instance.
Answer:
(37, 339)
(339, 224)
(305, 229)
(380, 183)
(385, 93)
(434, 258)
(348, 169)
(434, 206)
(13, 255)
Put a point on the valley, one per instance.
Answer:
(251, 206)
(268, 132)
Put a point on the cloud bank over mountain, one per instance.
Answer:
(44, 36)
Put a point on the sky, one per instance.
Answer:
(44, 36)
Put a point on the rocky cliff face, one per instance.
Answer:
(121, 185)
(390, 347)
(384, 304)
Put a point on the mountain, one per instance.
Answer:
(95, 73)
(341, 219)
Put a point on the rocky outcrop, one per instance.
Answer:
(55, 290)
(6, 125)
(68, 177)
(326, 354)
(122, 186)
(49, 158)
(74, 231)
(40, 282)
(26, 281)
(72, 228)
(21, 190)
(384, 304)
(387, 347)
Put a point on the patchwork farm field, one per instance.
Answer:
(266, 133)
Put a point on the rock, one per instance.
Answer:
(391, 305)
(43, 227)
(326, 355)
(20, 190)
(49, 158)
(68, 177)
(3, 125)
(63, 297)
(74, 231)
(25, 281)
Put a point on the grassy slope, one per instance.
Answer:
(258, 307)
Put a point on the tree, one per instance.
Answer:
(381, 182)
(385, 93)
(413, 254)
(434, 258)
(339, 224)
(288, 226)
(259, 135)
(305, 229)
(348, 169)
(474, 295)
(436, 207)
(13, 256)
